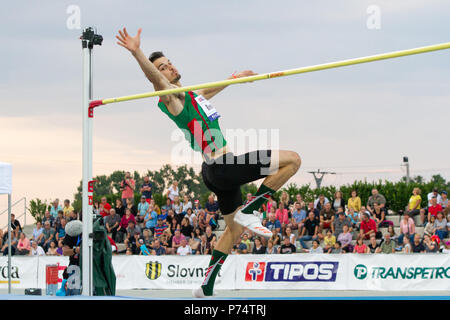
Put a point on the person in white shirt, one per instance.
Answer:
(184, 249)
(173, 191)
(435, 192)
(36, 250)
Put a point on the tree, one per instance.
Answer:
(37, 209)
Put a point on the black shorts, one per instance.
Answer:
(225, 175)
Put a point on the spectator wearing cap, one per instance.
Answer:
(407, 228)
(142, 210)
(434, 207)
(161, 225)
(376, 197)
(434, 194)
(444, 199)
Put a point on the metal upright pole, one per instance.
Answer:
(9, 242)
(89, 39)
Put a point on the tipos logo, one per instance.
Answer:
(360, 271)
(153, 270)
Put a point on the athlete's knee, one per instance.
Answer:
(296, 161)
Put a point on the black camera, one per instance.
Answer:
(91, 37)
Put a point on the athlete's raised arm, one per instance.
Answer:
(132, 44)
(208, 93)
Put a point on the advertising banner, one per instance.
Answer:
(24, 272)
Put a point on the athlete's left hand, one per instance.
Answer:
(245, 73)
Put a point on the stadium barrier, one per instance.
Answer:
(394, 272)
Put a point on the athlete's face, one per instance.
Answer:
(167, 69)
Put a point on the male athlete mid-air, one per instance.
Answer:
(222, 171)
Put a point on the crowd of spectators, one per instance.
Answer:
(183, 227)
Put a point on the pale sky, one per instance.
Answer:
(358, 121)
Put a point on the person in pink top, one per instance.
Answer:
(407, 228)
(122, 229)
(360, 246)
(127, 186)
(282, 215)
(23, 246)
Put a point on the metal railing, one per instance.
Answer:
(24, 213)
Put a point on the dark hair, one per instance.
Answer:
(156, 55)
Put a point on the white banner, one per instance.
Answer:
(24, 271)
(399, 272)
(5, 178)
(292, 271)
(169, 272)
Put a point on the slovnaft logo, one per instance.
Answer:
(154, 270)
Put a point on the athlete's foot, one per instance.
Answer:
(198, 293)
(252, 222)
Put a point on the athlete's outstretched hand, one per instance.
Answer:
(245, 73)
(129, 42)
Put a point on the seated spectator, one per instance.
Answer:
(59, 249)
(345, 238)
(354, 217)
(112, 223)
(299, 200)
(407, 228)
(120, 208)
(313, 209)
(434, 208)
(48, 236)
(379, 215)
(391, 232)
(37, 232)
(197, 206)
(210, 237)
(354, 202)
(60, 229)
(298, 217)
(166, 241)
(273, 223)
(406, 245)
(52, 249)
(337, 248)
(289, 234)
(388, 246)
(143, 250)
(446, 248)
(142, 210)
(258, 248)
(417, 246)
(14, 241)
(36, 250)
(415, 200)
(316, 248)
(245, 240)
(147, 238)
(55, 207)
(444, 200)
(203, 247)
(192, 218)
(435, 194)
(430, 244)
(320, 202)
(327, 217)
(271, 249)
(338, 201)
(157, 248)
(176, 240)
(186, 228)
(285, 199)
(23, 245)
(360, 246)
(275, 238)
(67, 208)
(133, 236)
(160, 227)
(310, 230)
(151, 219)
(184, 249)
(186, 204)
(373, 245)
(130, 205)
(376, 197)
(201, 220)
(173, 191)
(367, 227)
(329, 240)
(212, 212)
(282, 216)
(440, 226)
(104, 207)
(271, 203)
(341, 221)
(429, 228)
(124, 222)
(49, 218)
(287, 247)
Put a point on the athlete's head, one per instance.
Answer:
(164, 66)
